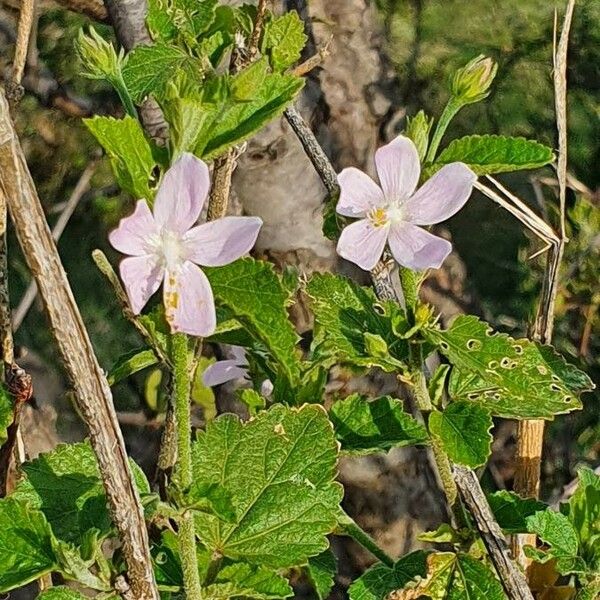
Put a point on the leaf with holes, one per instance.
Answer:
(65, 485)
(463, 428)
(280, 469)
(451, 577)
(26, 544)
(257, 299)
(487, 154)
(379, 581)
(516, 379)
(129, 151)
(347, 316)
(364, 426)
(511, 511)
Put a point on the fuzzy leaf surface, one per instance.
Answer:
(280, 469)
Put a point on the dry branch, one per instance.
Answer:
(91, 389)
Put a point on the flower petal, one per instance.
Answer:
(358, 193)
(142, 276)
(362, 243)
(181, 195)
(134, 232)
(398, 168)
(442, 195)
(220, 242)
(222, 372)
(416, 248)
(189, 303)
(239, 355)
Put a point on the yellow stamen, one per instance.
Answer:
(378, 217)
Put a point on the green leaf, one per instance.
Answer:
(511, 511)
(26, 544)
(555, 529)
(516, 379)
(583, 510)
(241, 580)
(149, 69)
(321, 571)
(464, 431)
(254, 293)
(61, 592)
(344, 314)
(129, 151)
(247, 82)
(364, 426)
(280, 469)
(167, 564)
(131, 363)
(284, 40)
(65, 485)
(379, 581)
(238, 121)
(6, 413)
(456, 577)
(211, 498)
(487, 154)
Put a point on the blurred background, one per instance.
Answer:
(388, 59)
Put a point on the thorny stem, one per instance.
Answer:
(182, 386)
(447, 115)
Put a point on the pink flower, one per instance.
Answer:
(235, 368)
(165, 246)
(392, 213)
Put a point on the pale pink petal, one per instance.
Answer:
(134, 233)
(182, 193)
(266, 388)
(220, 242)
(222, 372)
(358, 193)
(189, 303)
(239, 355)
(416, 248)
(142, 276)
(442, 195)
(362, 243)
(398, 168)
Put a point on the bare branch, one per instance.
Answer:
(26, 13)
(91, 389)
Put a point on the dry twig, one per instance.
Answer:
(91, 389)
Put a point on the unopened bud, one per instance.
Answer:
(417, 129)
(99, 58)
(472, 82)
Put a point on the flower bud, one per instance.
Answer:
(473, 81)
(99, 58)
(417, 129)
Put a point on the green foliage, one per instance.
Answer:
(451, 576)
(321, 570)
(279, 469)
(256, 297)
(346, 320)
(26, 544)
(168, 20)
(131, 363)
(6, 413)
(364, 426)
(61, 592)
(245, 582)
(129, 151)
(65, 486)
(487, 154)
(379, 581)
(463, 428)
(512, 378)
(511, 511)
(283, 40)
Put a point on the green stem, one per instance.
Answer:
(182, 386)
(351, 529)
(449, 113)
(123, 92)
(410, 287)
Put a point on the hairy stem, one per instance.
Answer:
(449, 113)
(182, 386)
(350, 528)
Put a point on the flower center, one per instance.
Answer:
(392, 213)
(171, 248)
